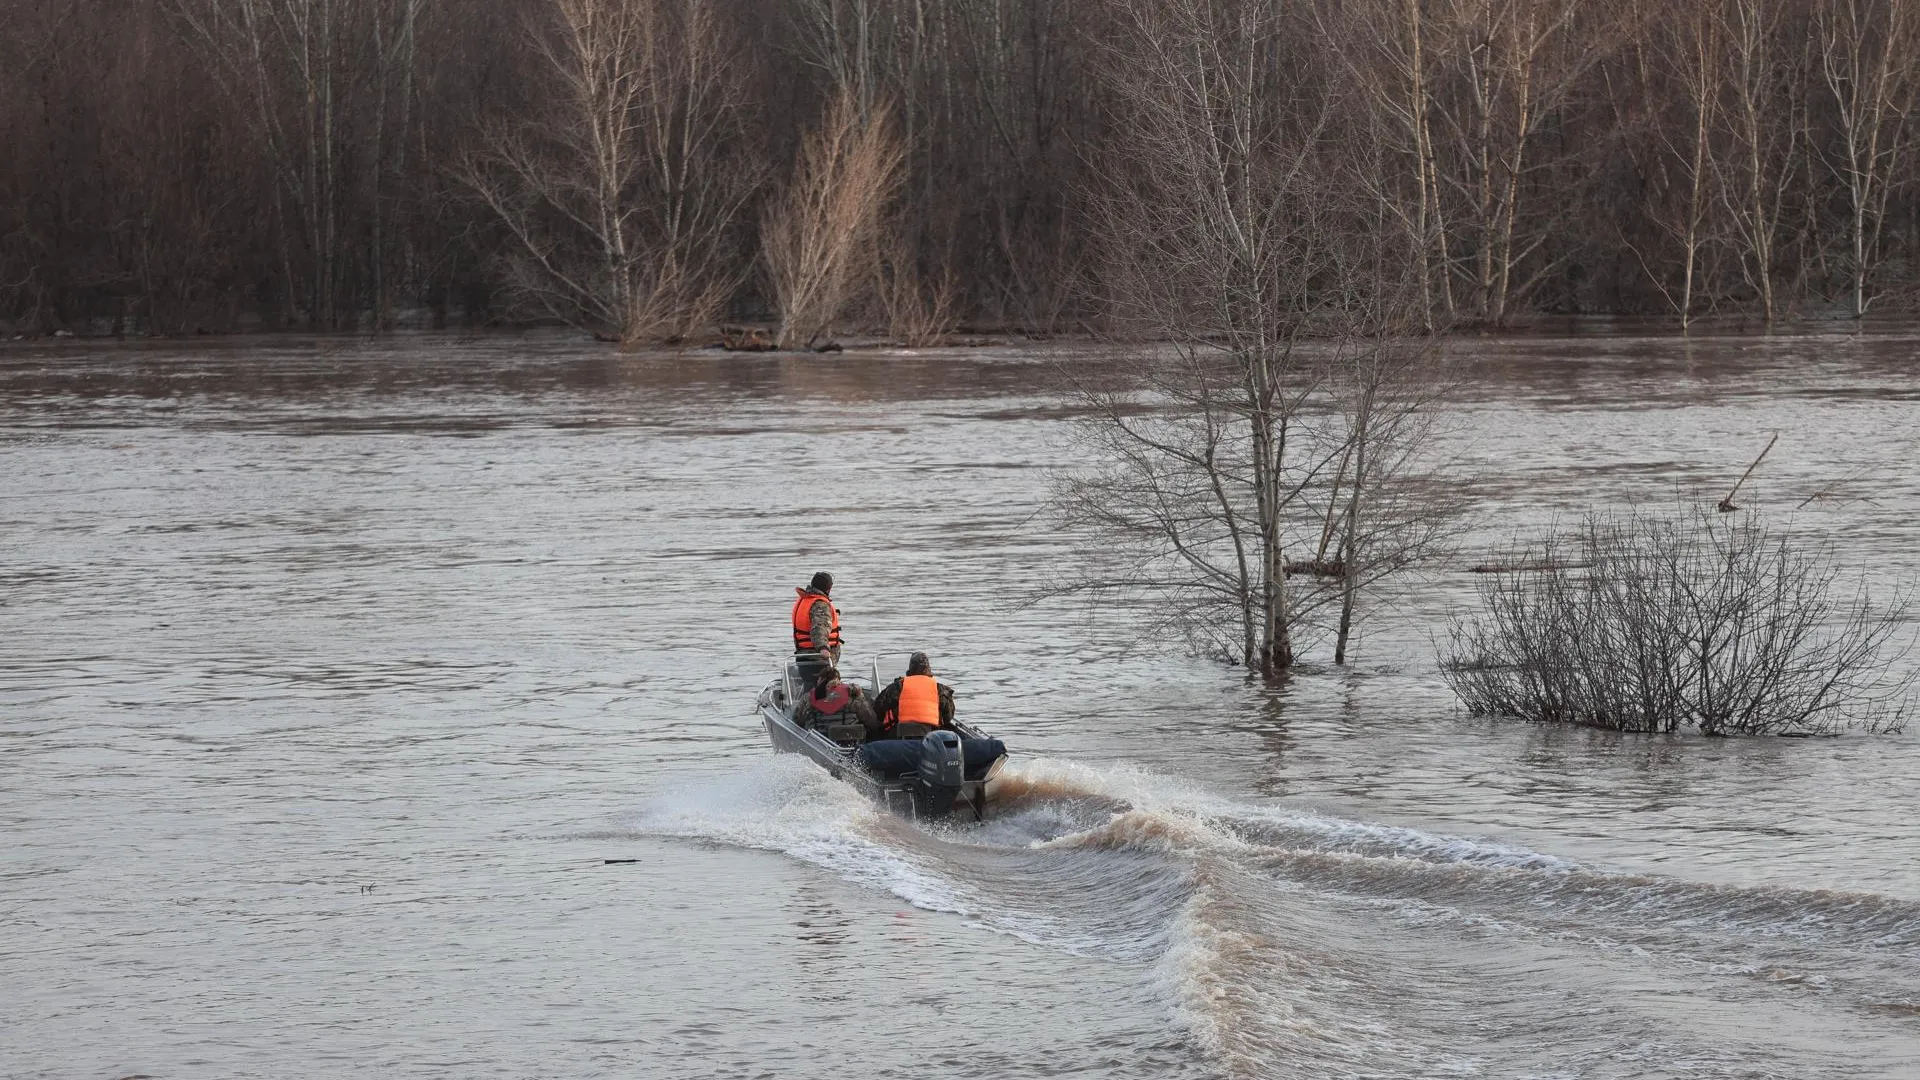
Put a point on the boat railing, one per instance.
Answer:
(790, 676)
(790, 684)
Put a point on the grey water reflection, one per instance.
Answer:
(331, 673)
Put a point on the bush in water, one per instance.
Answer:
(1661, 622)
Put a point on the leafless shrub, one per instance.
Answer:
(820, 235)
(1663, 622)
(918, 308)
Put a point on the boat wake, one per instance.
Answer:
(788, 805)
(1291, 943)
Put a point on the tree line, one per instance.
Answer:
(650, 169)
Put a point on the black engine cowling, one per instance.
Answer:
(943, 769)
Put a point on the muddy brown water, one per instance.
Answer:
(332, 673)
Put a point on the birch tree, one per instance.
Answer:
(1694, 47)
(621, 198)
(1666, 94)
(1511, 65)
(281, 57)
(1870, 67)
(1387, 50)
(1764, 120)
(327, 86)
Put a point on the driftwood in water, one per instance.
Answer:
(1327, 568)
(1726, 505)
(744, 339)
(1535, 567)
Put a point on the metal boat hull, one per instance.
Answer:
(905, 796)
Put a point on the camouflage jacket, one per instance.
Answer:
(820, 618)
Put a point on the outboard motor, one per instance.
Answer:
(943, 769)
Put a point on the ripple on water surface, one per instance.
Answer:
(336, 671)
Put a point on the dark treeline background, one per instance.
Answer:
(181, 165)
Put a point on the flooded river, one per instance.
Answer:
(333, 675)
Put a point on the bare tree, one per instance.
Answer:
(1764, 117)
(1870, 65)
(1387, 49)
(820, 235)
(1511, 65)
(345, 163)
(1389, 506)
(851, 41)
(282, 57)
(1017, 79)
(1234, 230)
(1667, 104)
(395, 45)
(918, 307)
(621, 199)
(1695, 52)
(327, 85)
(30, 56)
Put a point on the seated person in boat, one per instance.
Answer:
(914, 703)
(834, 702)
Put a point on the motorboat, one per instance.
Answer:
(944, 773)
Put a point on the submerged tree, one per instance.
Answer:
(623, 196)
(1243, 475)
(1659, 623)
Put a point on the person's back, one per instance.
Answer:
(816, 629)
(914, 703)
(836, 702)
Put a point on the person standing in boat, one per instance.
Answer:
(816, 629)
(914, 703)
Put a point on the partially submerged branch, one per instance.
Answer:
(1726, 505)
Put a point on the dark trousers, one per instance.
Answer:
(807, 667)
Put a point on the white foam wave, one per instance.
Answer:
(1325, 832)
(1206, 819)
(1225, 898)
(788, 805)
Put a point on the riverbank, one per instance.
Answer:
(739, 336)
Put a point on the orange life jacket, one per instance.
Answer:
(919, 701)
(803, 622)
